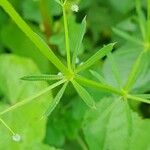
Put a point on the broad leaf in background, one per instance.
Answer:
(21, 45)
(123, 7)
(24, 120)
(31, 10)
(114, 126)
(65, 121)
(125, 58)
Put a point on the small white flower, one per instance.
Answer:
(16, 138)
(75, 7)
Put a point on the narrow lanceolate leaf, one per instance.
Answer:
(36, 39)
(127, 36)
(100, 54)
(134, 72)
(98, 76)
(114, 69)
(56, 100)
(79, 41)
(42, 77)
(29, 99)
(84, 95)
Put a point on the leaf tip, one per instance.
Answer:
(84, 19)
(23, 78)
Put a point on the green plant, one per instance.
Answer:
(72, 73)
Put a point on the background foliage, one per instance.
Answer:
(72, 125)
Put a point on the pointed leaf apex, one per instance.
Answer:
(84, 19)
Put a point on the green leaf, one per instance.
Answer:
(56, 100)
(79, 41)
(84, 95)
(127, 36)
(121, 55)
(25, 47)
(31, 11)
(124, 7)
(42, 77)
(114, 69)
(114, 126)
(24, 120)
(100, 54)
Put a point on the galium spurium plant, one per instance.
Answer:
(70, 72)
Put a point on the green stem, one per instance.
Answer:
(148, 20)
(36, 39)
(138, 99)
(133, 73)
(27, 100)
(141, 19)
(98, 86)
(147, 96)
(66, 37)
(3, 122)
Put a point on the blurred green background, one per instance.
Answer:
(64, 129)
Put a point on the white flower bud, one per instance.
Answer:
(75, 7)
(16, 138)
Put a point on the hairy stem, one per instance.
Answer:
(132, 97)
(148, 20)
(3, 122)
(66, 36)
(99, 86)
